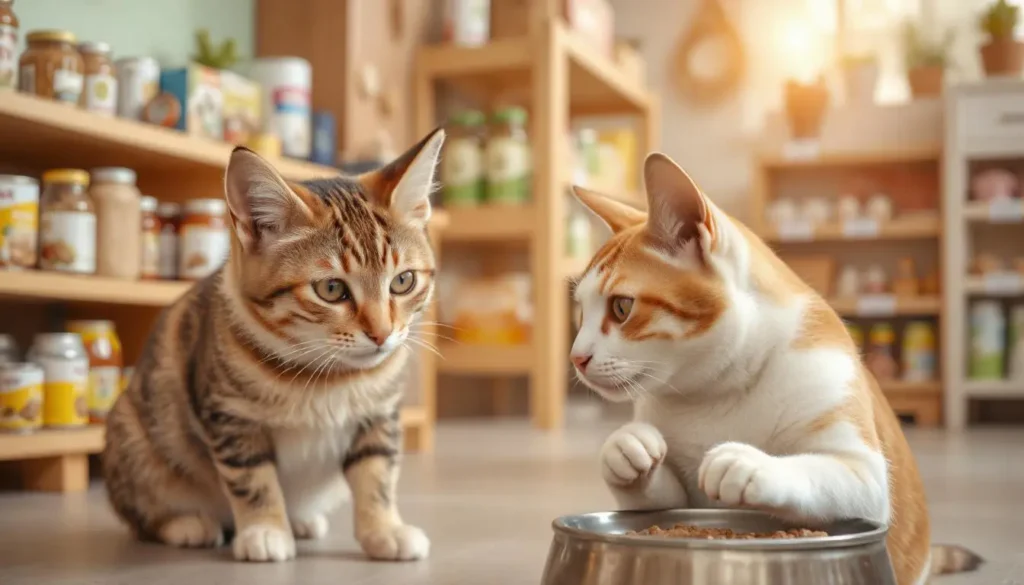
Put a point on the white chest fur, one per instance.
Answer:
(309, 467)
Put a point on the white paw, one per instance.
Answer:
(395, 543)
(312, 529)
(262, 542)
(737, 474)
(191, 532)
(631, 453)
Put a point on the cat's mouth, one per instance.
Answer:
(613, 390)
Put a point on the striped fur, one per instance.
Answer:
(747, 389)
(256, 398)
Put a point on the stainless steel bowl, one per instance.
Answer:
(593, 549)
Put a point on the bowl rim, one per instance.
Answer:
(877, 534)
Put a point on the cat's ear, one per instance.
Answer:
(679, 212)
(617, 216)
(404, 185)
(262, 205)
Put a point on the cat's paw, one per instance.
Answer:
(737, 474)
(311, 529)
(191, 532)
(395, 543)
(264, 542)
(631, 453)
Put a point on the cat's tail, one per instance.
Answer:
(951, 558)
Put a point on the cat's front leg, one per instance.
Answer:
(244, 457)
(632, 466)
(810, 489)
(371, 468)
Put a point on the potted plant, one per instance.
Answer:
(860, 76)
(805, 107)
(926, 61)
(1002, 54)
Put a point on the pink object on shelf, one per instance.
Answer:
(995, 184)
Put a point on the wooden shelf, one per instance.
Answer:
(905, 228)
(496, 360)
(886, 305)
(994, 388)
(54, 286)
(61, 135)
(852, 158)
(979, 211)
(489, 223)
(904, 387)
(52, 443)
(502, 67)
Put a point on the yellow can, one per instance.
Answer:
(21, 398)
(65, 378)
(19, 222)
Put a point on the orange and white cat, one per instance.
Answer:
(748, 391)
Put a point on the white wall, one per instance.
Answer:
(159, 28)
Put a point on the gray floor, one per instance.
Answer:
(486, 499)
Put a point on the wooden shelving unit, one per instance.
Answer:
(171, 166)
(555, 75)
(920, 232)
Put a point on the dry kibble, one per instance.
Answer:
(685, 531)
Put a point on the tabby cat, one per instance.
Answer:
(748, 390)
(275, 380)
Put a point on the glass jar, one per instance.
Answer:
(169, 216)
(508, 158)
(67, 223)
(149, 238)
(65, 367)
(117, 201)
(205, 240)
(51, 66)
(105, 363)
(8, 46)
(462, 166)
(99, 90)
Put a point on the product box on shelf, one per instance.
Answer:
(241, 107)
(593, 19)
(198, 89)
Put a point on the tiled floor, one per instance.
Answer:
(486, 499)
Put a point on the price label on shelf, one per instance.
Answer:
(876, 306)
(796, 230)
(860, 228)
(801, 150)
(1006, 211)
(1003, 283)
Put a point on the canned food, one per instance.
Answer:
(104, 349)
(8, 349)
(19, 221)
(21, 398)
(65, 378)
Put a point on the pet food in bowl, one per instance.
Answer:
(688, 531)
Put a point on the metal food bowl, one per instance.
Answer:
(594, 549)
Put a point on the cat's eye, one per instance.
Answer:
(332, 290)
(621, 306)
(403, 283)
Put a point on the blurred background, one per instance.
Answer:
(877, 145)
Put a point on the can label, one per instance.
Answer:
(8, 57)
(203, 250)
(290, 121)
(19, 224)
(101, 94)
(68, 242)
(65, 392)
(104, 388)
(21, 400)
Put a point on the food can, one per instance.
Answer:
(8, 349)
(138, 82)
(19, 222)
(287, 83)
(65, 367)
(105, 363)
(21, 398)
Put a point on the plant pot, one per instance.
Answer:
(860, 82)
(926, 81)
(805, 108)
(1003, 57)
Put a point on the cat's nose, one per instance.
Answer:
(581, 361)
(378, 337)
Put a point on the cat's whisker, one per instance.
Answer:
(425, 345)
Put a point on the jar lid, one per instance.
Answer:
(468, 118)
(94, 47)
(72, 176)
(511, 115)
(206, 206)
(113, 175)
(148, 204)
(59, 36)
(168, 209)
(93, 325)
(18, 179)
